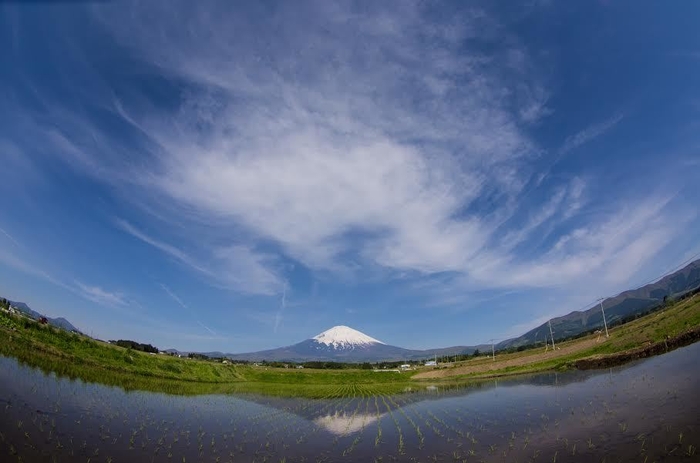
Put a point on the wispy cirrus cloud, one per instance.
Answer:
(283, 306)
(168, 249)
(615, 246)
(342, 161)
(96, 294)
(604, 253)
(590, 133)
(577, 140)
(100, 295)
(22, 264)
(354, 141)
(231, 267)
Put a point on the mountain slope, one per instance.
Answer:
(632, 302)
(61, 322)
(58, 322)
(625, 304)
(24, 308)
(344, 344)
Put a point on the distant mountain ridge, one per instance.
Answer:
(627, 303)
(344, 344)
(59, 322)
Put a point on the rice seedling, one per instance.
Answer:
(262, 428)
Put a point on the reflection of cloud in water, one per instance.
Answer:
(340, 423)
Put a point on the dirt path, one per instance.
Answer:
(488, 366)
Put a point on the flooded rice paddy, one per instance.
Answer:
(645, 412)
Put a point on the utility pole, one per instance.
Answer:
(550, 333)
(604, 321)
(493, 351)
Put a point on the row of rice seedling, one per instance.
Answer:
(43, 417)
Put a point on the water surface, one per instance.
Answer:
(646, 411)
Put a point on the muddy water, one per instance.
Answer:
(646, 411)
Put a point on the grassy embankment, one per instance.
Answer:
(633, 337)
(76, 356)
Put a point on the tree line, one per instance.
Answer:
(135, 345)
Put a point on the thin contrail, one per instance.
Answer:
(14, 241)
(179, 301)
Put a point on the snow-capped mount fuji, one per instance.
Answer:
(343, 344)
(343, 337)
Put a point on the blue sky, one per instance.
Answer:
(209, 176)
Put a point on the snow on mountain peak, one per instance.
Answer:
(344, 337)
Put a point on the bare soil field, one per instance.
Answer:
(653, 334)
(510, 360)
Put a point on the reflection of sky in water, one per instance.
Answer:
(583, 415)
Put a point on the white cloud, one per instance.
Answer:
(349, 141)
(233, 267)
(164, 247)
(280, 312)
(351, 159)
(100, 295)
(10, 259)
(247, 271)
(544, 214)
(590, 133)
(616, 246)
(91, 293)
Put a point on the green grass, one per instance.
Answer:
(652, 328)
(80, 356)
(77, 356)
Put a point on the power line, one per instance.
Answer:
(674, 269)
(666, 273)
